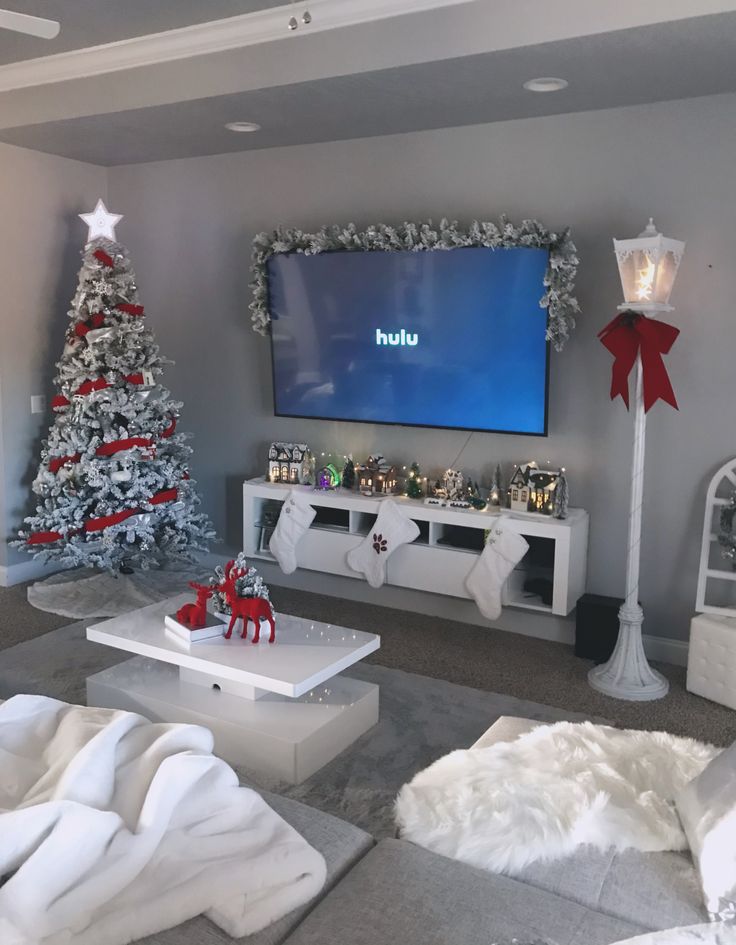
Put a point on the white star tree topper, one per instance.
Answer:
(101, 222)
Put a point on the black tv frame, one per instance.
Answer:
(420, 426)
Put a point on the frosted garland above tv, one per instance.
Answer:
(559, 280)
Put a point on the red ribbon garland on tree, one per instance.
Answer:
(115, 446)
(106, 521)
(103, 257)
(86, 387)
(630, 334)
(57, 462)
(129, 308)
(166, 495)
(97, 320)
(41, 538)
(94, 321)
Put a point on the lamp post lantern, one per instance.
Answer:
(647, 266)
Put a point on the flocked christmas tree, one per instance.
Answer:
(250, 585)
(562, 496)
(113, 482)
(496, 492)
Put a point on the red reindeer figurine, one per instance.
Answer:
(249, 608)
(194, 615)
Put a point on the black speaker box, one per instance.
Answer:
(596, 626)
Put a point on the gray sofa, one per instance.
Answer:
(395, 893)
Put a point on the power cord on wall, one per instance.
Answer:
(468, 438)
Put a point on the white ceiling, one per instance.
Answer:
(439, 68)
(93, 22)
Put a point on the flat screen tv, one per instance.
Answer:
(444, 338)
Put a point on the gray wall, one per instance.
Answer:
(189, 225)
(40, 196)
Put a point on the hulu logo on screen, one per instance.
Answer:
(402, 337)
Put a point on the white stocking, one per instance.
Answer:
(295, 518)
(391, 530)
(503, 551)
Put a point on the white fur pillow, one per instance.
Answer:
(707, 809)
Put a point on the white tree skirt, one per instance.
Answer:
(83, 593)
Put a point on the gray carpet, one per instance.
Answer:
(19, 621)
(421, 720)
(488, 659)
(517, 665)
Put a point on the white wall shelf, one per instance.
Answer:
(443, 555)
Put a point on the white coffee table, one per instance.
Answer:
(279, 709)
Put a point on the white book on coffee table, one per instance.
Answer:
(212, 628)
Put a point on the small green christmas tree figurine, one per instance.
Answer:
(414, 482)
(474, 496)
(348, 474)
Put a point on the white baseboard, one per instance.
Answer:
(26, 571)
(665, 649)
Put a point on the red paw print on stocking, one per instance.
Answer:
(379, 543)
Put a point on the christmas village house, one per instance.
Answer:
(532, 489)
(377, 476)
(519, 490)
(289, 462)
(453, 485)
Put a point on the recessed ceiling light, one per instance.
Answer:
(242, 126)
(546, 84)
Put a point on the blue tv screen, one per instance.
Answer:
(449, 338)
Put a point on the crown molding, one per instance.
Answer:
(249, 29)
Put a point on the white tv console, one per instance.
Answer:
(442, 556)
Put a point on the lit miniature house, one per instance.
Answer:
(542, 483)
(453, 484)
(532, 489)
(375, 475)
(289, 462)
(367, 476)
(390, 481)
(519, 490)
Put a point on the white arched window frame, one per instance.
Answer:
(722, 487)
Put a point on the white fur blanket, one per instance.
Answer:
(113, 828)
(553, 789)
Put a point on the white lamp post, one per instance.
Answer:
(648, 266)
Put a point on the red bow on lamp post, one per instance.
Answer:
(631, 334)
